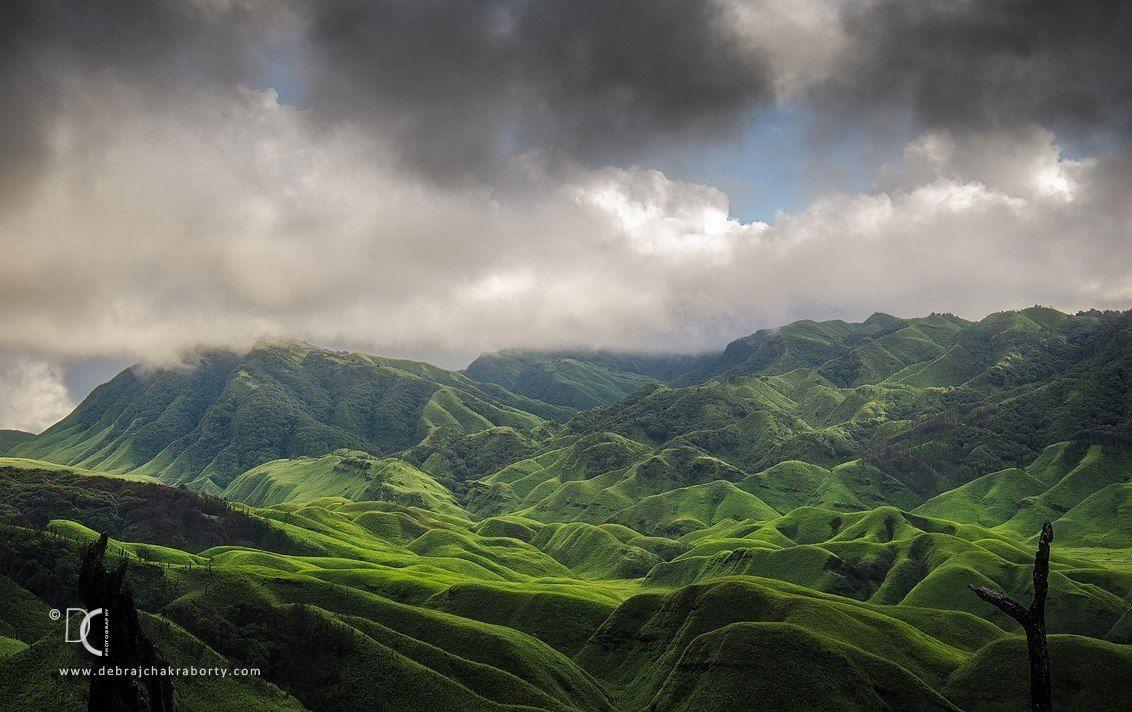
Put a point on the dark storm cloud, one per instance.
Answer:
(456, 84)
(50, 49)
(21, 114)
(998, 65)
(455, 81)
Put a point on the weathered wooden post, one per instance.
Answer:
(120, 641)
(1033, 621)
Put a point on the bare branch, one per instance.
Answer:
(1033, 621)
(1003, 603)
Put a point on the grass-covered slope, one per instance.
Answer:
(224, 413)
(343, 473)
(1082, 487)
(363, 598)
(898, 410)
(1087, 674)
(356, 604)
(931, 403)
(844, 353)
(721, 645)
(716, 645)
(888, 557)
(578, 379)
(563, 381)
(126, 509)
(11, 438)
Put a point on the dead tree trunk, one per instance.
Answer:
(1033, 621)
(124, 645)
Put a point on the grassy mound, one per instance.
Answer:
(10, 438)
(1087, 674)
(786, 667)
(344, 473)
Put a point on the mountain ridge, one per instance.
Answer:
(228, 412)
(887, 390)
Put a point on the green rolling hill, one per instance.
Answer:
(11, 438)
(343, 473)
(995, 395)
(1074, 484)
(205, 423)
(861, 610)
(579, 379)
(846, 354)
(795, 521)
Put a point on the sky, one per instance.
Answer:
(435, 180)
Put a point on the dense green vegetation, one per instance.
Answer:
(793, 522)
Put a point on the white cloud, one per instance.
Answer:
(659, 216)
(501, 286)
(933, 148)
(32, 393)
